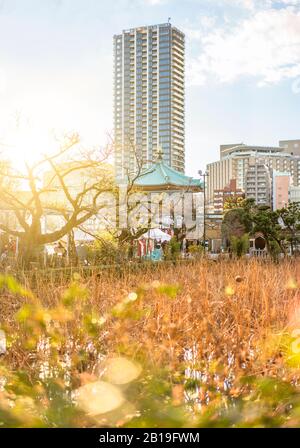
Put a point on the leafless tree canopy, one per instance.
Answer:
(30, 195)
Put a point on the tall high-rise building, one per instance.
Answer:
(149, 98)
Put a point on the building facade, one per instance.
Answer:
(294, 194)
(258, 184)
(291, 146)
(281, 185)
(149, 98)
(171, 199)
(236, 159)
(222, 196)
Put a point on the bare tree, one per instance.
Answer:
(138, 202)
(29, 200)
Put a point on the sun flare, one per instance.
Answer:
(25, 143)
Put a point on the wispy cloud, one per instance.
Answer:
(155, 2)
(266, 45)
(263, 4)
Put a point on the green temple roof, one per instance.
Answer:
(160, 174)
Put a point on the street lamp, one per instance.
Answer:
(204, 175)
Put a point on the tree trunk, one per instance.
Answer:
(72, 253)
(29, 252)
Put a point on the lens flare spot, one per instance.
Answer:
(292, 284)
(98, 398)
(121, 370)
(132, 297)
(229, 291)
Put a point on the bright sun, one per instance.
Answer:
(26, 144)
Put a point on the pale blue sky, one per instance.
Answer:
(242, 69)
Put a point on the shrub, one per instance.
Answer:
(106, 250)
(172, 250)
(240, 245)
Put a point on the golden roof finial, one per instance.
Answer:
(160, 154)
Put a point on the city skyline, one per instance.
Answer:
(57, 58)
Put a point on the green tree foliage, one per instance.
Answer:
(107, 249)
(172, 250)
(240, 246)
(266, 222)
(233, 202)
(277, 227)
(237, 220)
(290, 219)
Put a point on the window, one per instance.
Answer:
(164, 73)
(164, 134)
(164, 51)
(164, 93)
(164, 102)
(164, 38)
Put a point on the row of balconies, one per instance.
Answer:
(178, 91)
(178, 62)
(178, 164)
(178, 79)
(178, 126)
(178, 155)
(178, 82)
(179, 105)
(179, 71)
(177, 51)
(177, 133)
(177, 139)
(178, 97)
(177, 116)
(179, 111)
(178, 44)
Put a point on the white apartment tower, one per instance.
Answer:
(149, 98)
(259, 184)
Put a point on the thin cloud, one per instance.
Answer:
(254, 5)
(155, 2)
(265, 46)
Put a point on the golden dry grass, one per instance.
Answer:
(225, 308)
(202, 332)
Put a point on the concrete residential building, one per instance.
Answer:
(221, 196)
(294, 194)
(149, 97)
(235, 160)
(259, 184)
(291, 146)
(281, 185)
